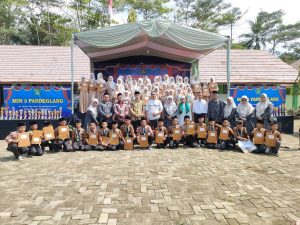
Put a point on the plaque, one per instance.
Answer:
(36, 137)
(48, 133)
(128, 145)
(23, 140)
(63, 132)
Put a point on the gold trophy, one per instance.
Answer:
(2, 113)
(13, 112)
(16, 114)
(39, 114)
(25, 114)
(60, 112)
(21, 114)
(9, 114)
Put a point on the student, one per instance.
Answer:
(273, 139)
(258, 137)
(78, 136)
(116, 137)
(145, 130)
(12, 140)
(187, 134)
(34, 149)
(103, 134)
(241, 138)
(174, 133)
(49, 140)
(161, 134)
(92, 138)
(128, 130)
(225, 135)
(62, 134)
(201, 131)
(212, 133)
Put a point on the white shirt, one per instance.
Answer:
(153, 106)
(200, 106)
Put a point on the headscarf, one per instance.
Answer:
(261, 106)
(228, 107)
(111, 84)
(184, 106)
(170, 106)
(245, 109)
(186, 80)
(92, 108)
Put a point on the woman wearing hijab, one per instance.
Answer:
(91, 113)
(245, 109)
(230, 113)
(184, 109)
(263, 110)
(170, 109)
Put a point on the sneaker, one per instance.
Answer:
(20, 158)
(149, 148)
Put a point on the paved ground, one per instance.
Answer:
(156, 187)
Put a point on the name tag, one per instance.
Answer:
(48, 136)
(202, 129)
(23, 136)
(128, 140)
(63, 129)
(160, 134)
(93, 136)
(225, 131)
(212, 134)
(177, 132)
(259, 135)
(113, 135)
(191, 126)
(144, 139)
(36, 139)
(271, 136)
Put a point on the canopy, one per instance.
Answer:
(153, 38)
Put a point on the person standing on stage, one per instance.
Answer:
(137, 110)
(154, 108)
(215, 108)
(199, 108)
(105, 109)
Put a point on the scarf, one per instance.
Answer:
(228, 108)
(170, 107)
(184, 108)
(245, 109)
(92, 108)
(261, 106)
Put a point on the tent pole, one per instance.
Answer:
(228, 65)
(72, 73)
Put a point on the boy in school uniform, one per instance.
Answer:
(116, 137)
(13, 139)
(225, 135)
(48, 140)
(161, 134)
(273, 139)
(92, 138)
(35, 148)
(62, 134)
(78, 135)
(212, 133)
(174, 133)
(103, 135)
(128, 132)
(258, 137)
(201, 131)
(188, 132)
(144, 131)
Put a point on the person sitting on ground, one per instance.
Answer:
(127, 128)
(258, 137)
(201, 132)
(145, 131)
(78, 136)
(92, 138)
(161, 134)
(188, 138)
(12, 140)
(34, 149)
(104, 136)
(212, 133)
(62, 135)
(226, 135)
(116, 138)
(174, 133)
(49, 139)
(273, 139)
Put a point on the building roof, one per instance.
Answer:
(41, 64)
(296, 65)
(247, 66)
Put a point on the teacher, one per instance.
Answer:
(263, 110)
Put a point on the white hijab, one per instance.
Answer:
(170, 106)
(261, 106)
(228, 108)
(92, 108)
(245, 109)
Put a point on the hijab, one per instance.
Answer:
(261, 106)
(228, 108)
(184, 107)
(245, 108)
(170, 105)
(92, 108)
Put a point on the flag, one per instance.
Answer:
(110, 8)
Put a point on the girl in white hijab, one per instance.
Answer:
(91, 113)
(110, 85)
(121, 85)
(230, 113)
(170, 109)
(264, 110)
(245, 109)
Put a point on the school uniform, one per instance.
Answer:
(116, 140)
(13, 147)
(225, 138)
(141, 131)
(201, 134)
(164, 132)
(35, 149)
(78, 139)
(212, 136)
(103, 133)
(271, 141)
(239, 133)
(173, 132)
(89, 135)
(259, 140)
(188, 139)
(62, 144)
(48, 143)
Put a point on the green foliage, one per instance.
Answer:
(132, 16)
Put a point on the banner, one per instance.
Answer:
(36, 102)
(276, 95)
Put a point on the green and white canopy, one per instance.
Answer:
(153, 38)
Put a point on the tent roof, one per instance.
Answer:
(152, 38)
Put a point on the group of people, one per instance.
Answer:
(128, 121)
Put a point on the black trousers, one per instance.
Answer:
(136, 124)
(172, 143)
(189, 141)
(91, 147)
(78, 145)
(49, 144)
(17, 151)
(260, 149)
(197, 116)
(153, 124)
(35, 150)
(63, 145)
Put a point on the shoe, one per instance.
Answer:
(276, 155)
(20, 158)
(149, 148)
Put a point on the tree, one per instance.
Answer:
(184, 11)
(293, 53)
(262, 28)
(150, 9)
(132, 17)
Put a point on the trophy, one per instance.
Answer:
(6, 113)
(25, 114)
(52, 115)
(39, 114)
(42, 113)
(16, 115)
(57, 114)
(13, 113)
(60, 112)
(35, 114)
(9, 114)
(21, 114)
(2, 113)
(29, 114)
